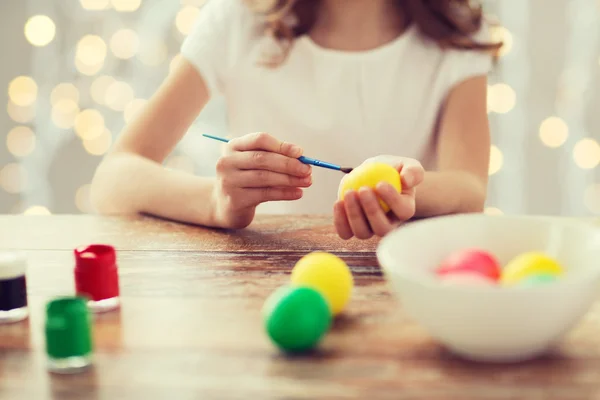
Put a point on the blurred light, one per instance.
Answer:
(587, 153)
(99, 88)
(133, 108)
(591, 198)
(501, 98)
(118, 95)
(554, 132)
(89, 124)
(98, 145)
(40, 30)
(64, 113)
(124, 44)
(126, 5)
(493, 211)
(64, 91)
(82, 199)
(37, 210)
(181, 163)
(94, 4)
(23, 91)
(153, 52)
(13, 178)
(19, 114)
(20, 141)
(90, 55)
(91, 50)
(496, 160)
(174, 62)
(88, 70)
(185, 19)
(501, 34)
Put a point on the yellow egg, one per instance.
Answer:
(527, 264)
(327, 274)
(369, 175)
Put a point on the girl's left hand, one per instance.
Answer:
(360, 215)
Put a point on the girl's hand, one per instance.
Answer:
(360, 214)
(256, 168)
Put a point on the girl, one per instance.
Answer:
(347, 81)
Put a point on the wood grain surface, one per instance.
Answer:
(190, 324)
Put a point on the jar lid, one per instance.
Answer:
(95, 256)
(12, 265)
(68, 328)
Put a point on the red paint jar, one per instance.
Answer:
(97, 277)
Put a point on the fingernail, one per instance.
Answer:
(348, 193)
(305, 169)
(381, 185)
(295, 151)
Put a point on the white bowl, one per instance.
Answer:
(493, 324)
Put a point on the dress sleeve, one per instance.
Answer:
(218, 38)
(465, 64)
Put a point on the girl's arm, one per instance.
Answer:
(460, 183)
(257, 167)
(131, 178)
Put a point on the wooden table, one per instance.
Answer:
(190, 325)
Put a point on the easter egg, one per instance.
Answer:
(467, 278)
(528, 264)
(329, 275)
(471, 260)
(296, 318)
(369, 175)
(538, 279)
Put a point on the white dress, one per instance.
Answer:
(341, 107)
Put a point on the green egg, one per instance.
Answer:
(538, 279)
(296, 318)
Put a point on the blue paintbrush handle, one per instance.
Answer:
(305, 160)
(318, 163)
(220, 139)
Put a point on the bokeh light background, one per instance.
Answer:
(75, 71)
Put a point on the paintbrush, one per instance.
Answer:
(305, 160)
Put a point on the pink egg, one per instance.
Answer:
(467, 279)
(475, 261)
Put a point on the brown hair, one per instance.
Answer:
(450, 23)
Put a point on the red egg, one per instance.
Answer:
(467, 278)
(472, 261)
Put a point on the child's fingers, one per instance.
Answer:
(379, 222)
(235, 198)
(412, 173)
(255, 196)
(264, 141)
(402, 205)
(264, 160)
(340, 220)
(262, 178)
(356, 217)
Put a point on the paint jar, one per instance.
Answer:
(13, 287)
(96, 277)
(68, 335)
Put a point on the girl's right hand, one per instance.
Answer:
(256, 168)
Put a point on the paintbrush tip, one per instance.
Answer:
(346, 170)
